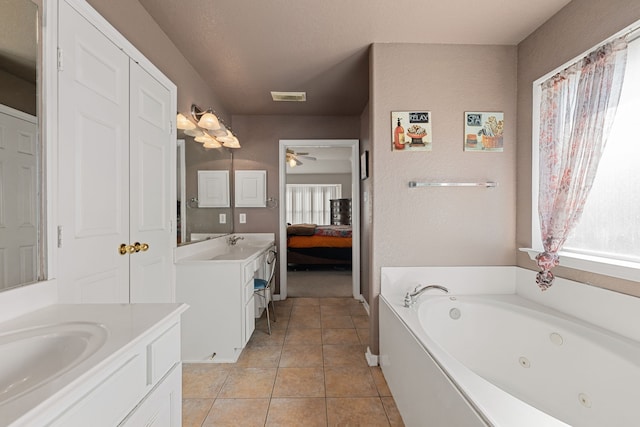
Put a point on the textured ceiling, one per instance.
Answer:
(246, 48)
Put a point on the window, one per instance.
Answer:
(310, 203)
(609, 229)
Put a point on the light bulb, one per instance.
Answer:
(209, 121)
(183, 123)
(233, 143)
(212, 143)
(292, 162)
(207, 139)
(194, 132)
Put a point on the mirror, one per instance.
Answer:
(198, 223)
(21, 258)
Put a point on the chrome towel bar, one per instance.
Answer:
(490, 184)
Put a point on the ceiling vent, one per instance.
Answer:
(289, 96)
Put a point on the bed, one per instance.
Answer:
(310, 244)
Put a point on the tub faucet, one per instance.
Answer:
(412, 297)
(232, 240)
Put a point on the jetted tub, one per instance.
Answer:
(502, 360)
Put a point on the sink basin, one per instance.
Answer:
(32, 357)
(238, 252)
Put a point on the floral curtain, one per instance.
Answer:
(577, 109)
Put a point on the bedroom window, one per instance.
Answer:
(310, 203)
(607, 238)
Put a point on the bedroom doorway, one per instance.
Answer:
(320, 165)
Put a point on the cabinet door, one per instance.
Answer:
(93, 159)
(152, 155)
(251, 188)
(163, 406)
(249, 320)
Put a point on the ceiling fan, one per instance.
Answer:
(293, 158)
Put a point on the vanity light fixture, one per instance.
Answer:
(210, 130)
(207, 119)
(195, 132)
(233, 144)
(208, 141)
(183, 123)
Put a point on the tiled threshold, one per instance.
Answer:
(310, 372)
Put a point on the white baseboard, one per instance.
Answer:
(365, 304)
(372, 359)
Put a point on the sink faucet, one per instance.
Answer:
(412, 297)
(232, 240)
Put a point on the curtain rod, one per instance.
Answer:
(631, 33)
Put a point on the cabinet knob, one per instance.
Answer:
(126, 249)
(141, 246)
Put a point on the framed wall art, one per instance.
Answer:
(483, 131)
(411, 131)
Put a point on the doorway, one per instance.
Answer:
(350, 148)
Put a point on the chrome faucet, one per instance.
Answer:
(232, 240)
(412, 297)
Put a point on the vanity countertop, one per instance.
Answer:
(119, 327)
(219, 251)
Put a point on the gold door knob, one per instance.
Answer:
(140, 247)
(126, 249)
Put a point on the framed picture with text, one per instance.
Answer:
(411, 131)
(483, 131)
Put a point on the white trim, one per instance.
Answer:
(372, 359)
(365, 304)
(49, 128)
(180, 152)
(355, 205)
(18, 114)
(606, 266)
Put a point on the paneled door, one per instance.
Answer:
(151, 200)
(115, 159)
(93, 163)
(18, 216)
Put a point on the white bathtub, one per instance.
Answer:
(503, 360)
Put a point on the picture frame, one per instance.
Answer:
(364, 165)
(411, 131)
(484, 131)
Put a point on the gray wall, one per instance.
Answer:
(366, 216)
(576, 28)
(441, 226)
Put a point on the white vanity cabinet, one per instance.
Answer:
(219, 292)
(142, 389)
(132, 378)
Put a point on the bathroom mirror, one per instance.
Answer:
(21, 222)
(196, 222)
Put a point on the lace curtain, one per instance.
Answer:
(577, 109)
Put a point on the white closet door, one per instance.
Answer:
(151, 199)
(18, 223)
(93, 163)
